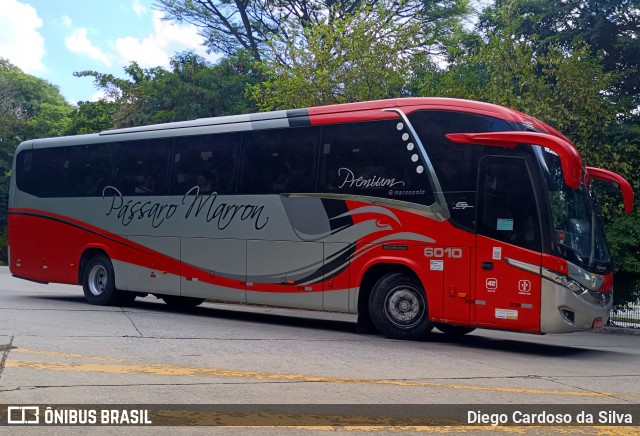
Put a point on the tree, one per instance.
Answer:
(567, 90)
(192, 88)
(229, 26)
(363, 56)
(623, 236)
(29, 108)
(92, 117)
(610, 28)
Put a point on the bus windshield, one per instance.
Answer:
(578, 228)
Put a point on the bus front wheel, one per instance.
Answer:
(98, 283)
(398, 307)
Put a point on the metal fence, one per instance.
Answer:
(627, 317)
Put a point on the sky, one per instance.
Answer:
(52, 39)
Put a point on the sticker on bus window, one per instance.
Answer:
(507, 314)
(505, 224)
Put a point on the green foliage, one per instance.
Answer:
(35, 107)
(29, 107)
(567, 90)
(608, 27)
(92, 117)
(623, 235)
(364, 56)
(229, 26)
(607, 32)
(192, 88)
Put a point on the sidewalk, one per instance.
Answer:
(613, 330)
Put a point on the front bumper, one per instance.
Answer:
(563, 311)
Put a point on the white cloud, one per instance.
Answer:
(20, 41)
(66, 21)
(156, 49)
(78, 42)
(138, 8)
(99, 95)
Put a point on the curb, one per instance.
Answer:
(618, 331)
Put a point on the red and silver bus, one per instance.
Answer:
(412, 213)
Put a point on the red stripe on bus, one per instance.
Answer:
(130, 252)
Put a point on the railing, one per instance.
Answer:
(627, 317)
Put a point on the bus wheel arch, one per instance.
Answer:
(96, 275)
(389, 280)
(98, 281)
(86, 256)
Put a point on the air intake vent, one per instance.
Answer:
(568, 315)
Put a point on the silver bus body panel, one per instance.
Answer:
(554, 298)
(280, 242)
(217, 256)
(142, 279)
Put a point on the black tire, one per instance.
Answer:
(398, 307)
(98, 283)
(454, 330)
(178, 302)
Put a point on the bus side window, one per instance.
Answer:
(377, 159)
(142, 167)
(87, 170)
(39, 171)
(279, 161)
(507, 206)
(207, 161)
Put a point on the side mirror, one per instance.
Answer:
(616, 179)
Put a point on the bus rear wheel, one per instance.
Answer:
(454, 330)
(398, 307)
(98, 282)
(178, 302)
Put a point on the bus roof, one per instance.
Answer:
(349, 112)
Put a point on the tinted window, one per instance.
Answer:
(282, 160)
(456, 165)
(87, 170)
(142, 167)
(39, 172)
(507, 210)
(377, 159)
(209, 162)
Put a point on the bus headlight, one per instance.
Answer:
(593, 297)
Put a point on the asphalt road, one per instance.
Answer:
(58, 349)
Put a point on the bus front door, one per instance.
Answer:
(507, 247)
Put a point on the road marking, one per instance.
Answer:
(186, 371)
(69, 355)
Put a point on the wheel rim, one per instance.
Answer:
(404, 307)
(98, 280)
